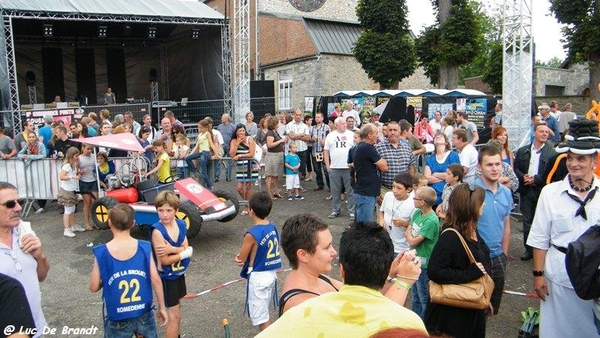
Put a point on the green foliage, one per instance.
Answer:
(460, 36)
(555, 62)
(384, 48)
(383, 15)
(492, 74)
(427, 52)
(459, 41)
(582, 19)
(386, 57)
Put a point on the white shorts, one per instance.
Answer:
(260, 289)
(292, 181)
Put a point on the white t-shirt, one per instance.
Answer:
(353, 113)
(468, 158)
(71, 184)
(338, 145)
(435, 125)
(180, 162)
(393, 209)
(298, 128)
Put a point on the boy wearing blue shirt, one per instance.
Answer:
(292, 177)
(259, 258)
(173, 254)
(125, 270)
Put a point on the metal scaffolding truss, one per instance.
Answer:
(11, 67)
(517, 69)
(241, 59)
(7, 48)
(226, 64)
(112, 18)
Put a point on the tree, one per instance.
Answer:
(555, 62)
(582, 36)
(454, 40)
(384, 48)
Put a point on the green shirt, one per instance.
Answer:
(427, 226)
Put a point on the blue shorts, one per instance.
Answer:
(144, 325)
(88, 186)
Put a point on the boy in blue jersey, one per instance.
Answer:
(173, 254)
(259, 258)
(125, 270)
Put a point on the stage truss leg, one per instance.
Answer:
(517, 70)
(242, 58)
(11, 68)
(154, 91)
(32, 90)
(226, 64)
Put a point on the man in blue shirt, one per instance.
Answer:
(494, 223)
(551, 122)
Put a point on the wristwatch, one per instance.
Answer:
(538, 273)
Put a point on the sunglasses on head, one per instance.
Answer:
(13, 203)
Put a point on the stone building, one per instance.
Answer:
(308, 53)
(569, 79)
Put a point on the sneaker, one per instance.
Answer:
(40, 211)
(77, 228)
(299, 197)
(68, 233)
(351, 215)
(290, 198)
(256, 183)
(333, 215)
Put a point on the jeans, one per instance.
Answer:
(340, 178)
(183, 172)
(204, 158)
(144, 325)
(302, 169)
(497, 273)
(365, 207)
(420, 291)
(320, 171)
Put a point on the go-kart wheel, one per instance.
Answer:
(100, 208)
(224, 196)
(189, 213)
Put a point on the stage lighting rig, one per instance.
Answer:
(102, 31)
(195, 33)
(48, 30)
(152, 32)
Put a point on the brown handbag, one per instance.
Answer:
(472, 295)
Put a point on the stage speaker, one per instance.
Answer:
(153, 75)
(30, 78)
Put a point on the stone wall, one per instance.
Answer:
(339, 10)
(581, 104)
(575, 80)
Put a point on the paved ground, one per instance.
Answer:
(67, 300)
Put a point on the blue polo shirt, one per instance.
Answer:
(491, 223)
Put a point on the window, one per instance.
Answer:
(285, 89)
(554, 90)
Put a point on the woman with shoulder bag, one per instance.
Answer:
(450, 264)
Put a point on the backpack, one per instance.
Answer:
(582, 261)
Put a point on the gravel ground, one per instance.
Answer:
(67, 301)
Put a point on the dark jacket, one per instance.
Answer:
(521, 166)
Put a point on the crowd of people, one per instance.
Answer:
(396, 243)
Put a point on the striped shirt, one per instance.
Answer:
(399, 159)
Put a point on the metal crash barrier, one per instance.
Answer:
(39, 179)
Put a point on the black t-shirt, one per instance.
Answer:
(368, 178)
(14, 307)
(63, 146)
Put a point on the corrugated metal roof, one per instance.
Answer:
(330, 37)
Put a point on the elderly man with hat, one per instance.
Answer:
(565, 210)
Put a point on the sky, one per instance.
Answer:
(546, 30)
